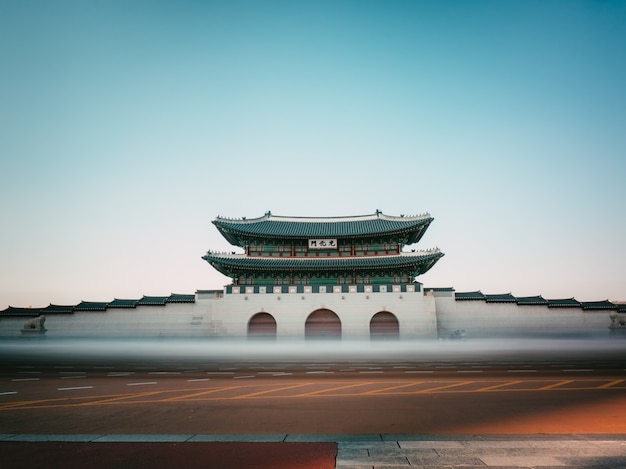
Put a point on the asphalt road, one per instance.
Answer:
(559, 390)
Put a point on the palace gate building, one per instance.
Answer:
(326, 277)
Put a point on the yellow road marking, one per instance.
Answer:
(391, 388)
(210, 391)
(448, 386)
(254, 394)
(12, 405)
(556, 385)
(612, 383)
(499, 386)
(119, 398)
(209, 394)
(319, 391)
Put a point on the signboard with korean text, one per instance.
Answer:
(323, 243)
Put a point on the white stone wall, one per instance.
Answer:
(420, 315)
(482, 319)
(171, 320)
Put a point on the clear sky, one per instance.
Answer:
(126, 127)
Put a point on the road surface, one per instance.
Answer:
(561, 392)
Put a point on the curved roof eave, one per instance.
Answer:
(421, 262)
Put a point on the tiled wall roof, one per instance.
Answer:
(535, 300)
(98, 306)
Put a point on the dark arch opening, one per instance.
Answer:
(262, 326)
(384, 326)
(322, 324)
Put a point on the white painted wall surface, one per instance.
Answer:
(354, 310)
(481, 319)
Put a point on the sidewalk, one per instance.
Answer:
(290, 451)
(481, 451)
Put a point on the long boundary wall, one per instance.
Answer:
(421, 314)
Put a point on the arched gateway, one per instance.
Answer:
(262, 326)
(384, 325)
(322, 324)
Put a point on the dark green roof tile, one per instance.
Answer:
(91, 306)
(152, 301)
(597, 305)
(181, 298)
(469, 296)
(500, 298)
(564, 303)
(58, 309)
(117, 303)
(20, 312)
(531, 300)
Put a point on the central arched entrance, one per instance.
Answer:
(384, 325)
(322, 324)
(262, 326)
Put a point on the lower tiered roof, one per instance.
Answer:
(232, 264)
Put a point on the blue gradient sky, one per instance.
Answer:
(127, 126)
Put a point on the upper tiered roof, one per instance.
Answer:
(237, 231)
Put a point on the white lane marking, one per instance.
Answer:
(120, 373)
(319, 372)
(198, 379)
(521, 371)
(220, 372)
(164, 373)
(370, 372)
(242, 377)
(74, 388)
(7, 392)
(141, 384)
(25, 379)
